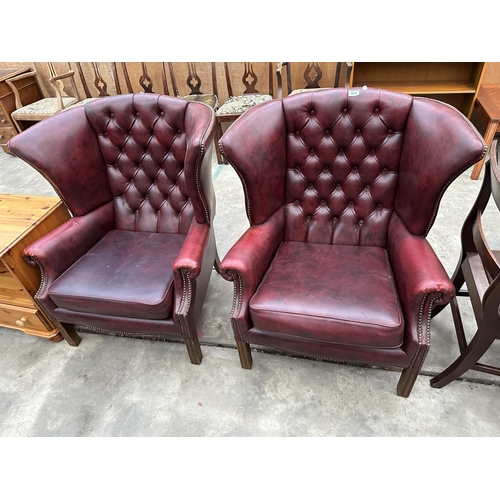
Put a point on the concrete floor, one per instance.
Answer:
(112, 386)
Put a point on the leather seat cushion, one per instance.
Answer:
(331, 293)
(126, 274)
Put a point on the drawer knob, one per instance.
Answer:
(21, 322)
(4, 121)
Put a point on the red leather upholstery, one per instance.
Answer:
(341, 187)
(127, 274)
(340, 307)
(135, 171)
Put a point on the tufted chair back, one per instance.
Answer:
(344, 159)
(342, 165)
(141, 151)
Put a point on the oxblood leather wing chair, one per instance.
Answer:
(341, 188)
(136, 257)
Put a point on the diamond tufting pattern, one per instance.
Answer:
(144, 149)
(342, 166)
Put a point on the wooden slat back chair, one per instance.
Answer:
(479, 269)
(236, 104)
(312, 76)
(194, 83)
(47, 106)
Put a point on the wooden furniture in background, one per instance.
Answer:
(241, 99)
(194, 82)
(488, 105)
(24, 219)
(455, 83)
(479, 269)
(47, 106)
(312, 75)
(29, 91)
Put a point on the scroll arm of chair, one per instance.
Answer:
(192, 253)
(248, 260)
(192, 269)
(59, 249)
(421, 279)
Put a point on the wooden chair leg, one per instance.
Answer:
(218, 135)
(245, 354)
(407, 380)
(194, 350)
(488, 138)
(217, 151)
(470, 356)
(68, 331)
(217, 261)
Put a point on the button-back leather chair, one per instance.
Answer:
(341, 187)
(478, 269)
(136, 257)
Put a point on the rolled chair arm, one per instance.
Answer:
(192, 269)
(247, 261)
(421, 279)
(191, 255)
(59, 249)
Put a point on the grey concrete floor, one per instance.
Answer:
(112, 386)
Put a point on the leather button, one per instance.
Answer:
(297, 202)
(341, 150)
(327, 131)
(297, 132)
(367, 188)
(308, 217)
(351, 203)
(297, 168)
(354, 169)
(112, 115)
(179, 132)
(390, 132)
(325, 169)
(323, 202)
(310, 186)
(335, 219)
(312, 112)
(338, 186)
(360, 222)
(384, 169)
(372, 151)
(137, 114)
(345, 110)
(312, 151)
(376, 110)
(379, 206)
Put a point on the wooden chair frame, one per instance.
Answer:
(478, 268)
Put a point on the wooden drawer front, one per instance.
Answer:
(6, 133)
(11, 291)
(21, 317)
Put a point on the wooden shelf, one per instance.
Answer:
(455, 83)
(422, 88)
